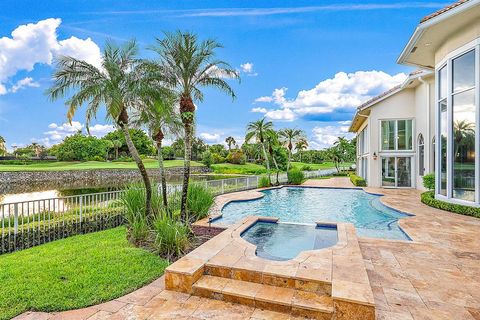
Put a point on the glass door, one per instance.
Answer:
(397, 172)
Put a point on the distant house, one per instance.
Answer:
(398, 131)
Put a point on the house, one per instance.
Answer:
(397, 131)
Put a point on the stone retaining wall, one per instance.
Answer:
(37, 180)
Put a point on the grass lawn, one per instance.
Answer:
(74, 272)
(248, 168)
(315, 166)
(75, 165)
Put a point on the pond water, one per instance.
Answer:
(10, 192)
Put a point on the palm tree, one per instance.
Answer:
(230, 141)
(300, 146)
(259, 130)
(117, 144)
(289, 137)
(3, 146)
(191, 65)
(161, 119)
(273, 143)
(116, 85)
(464, 131)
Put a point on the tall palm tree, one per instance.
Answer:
(289, 137)
(259, 130)
(463, 130)
(273, 143)
(3, 146)
(161, 119)
(230, 141)
(300, 146)
(116, 85)
(191, 65)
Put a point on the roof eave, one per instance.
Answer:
(420, 30)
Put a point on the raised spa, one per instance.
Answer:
(308, 205)
(284, 241)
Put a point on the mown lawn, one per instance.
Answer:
(248, 168)
(318, 166)
(75, 272)
(75, 165)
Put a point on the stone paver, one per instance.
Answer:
(436, 276)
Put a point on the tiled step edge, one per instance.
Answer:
(270, 279)
(286, 300)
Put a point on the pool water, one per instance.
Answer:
(309, 205)
(284, 241)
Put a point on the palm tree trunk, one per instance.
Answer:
(186, 170)
(276, 167)
(267, 162)
(141, 167)
(163, 179)
(289, 159)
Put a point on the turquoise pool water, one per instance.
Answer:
(284, 241)
(309, 205)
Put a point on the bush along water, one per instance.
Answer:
(295, 176)
(264, 182)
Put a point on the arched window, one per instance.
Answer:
(421, 155)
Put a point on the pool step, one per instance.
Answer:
(286, 300)
(305, 279)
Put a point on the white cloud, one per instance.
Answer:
(324, 137)
(211, 137)
(217, 72)
(3, 90)
(59, 132)
(37, 43)
(99, 130)
(247, 68)
(24, 83)
(333, 99)
(259, 110)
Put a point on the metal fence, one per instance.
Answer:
(29, 223)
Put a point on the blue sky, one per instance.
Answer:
(304, 64)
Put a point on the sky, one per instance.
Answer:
(303, 64)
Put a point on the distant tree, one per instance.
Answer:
(259, 130)
(197, 149)
(79, 147)
(289, 137)
(230, 141)
(108, 146)
(140, 139)
(3, 146)
(117, 144)
(301, 145)
(218, 149)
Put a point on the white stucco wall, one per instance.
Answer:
(457, 39)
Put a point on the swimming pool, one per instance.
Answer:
(309, 205)
(270, 239)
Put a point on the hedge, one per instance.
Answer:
(358, 181)
(295, 176)
(428, 198)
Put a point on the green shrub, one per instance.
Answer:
(97, 158)
(429, 181)
(236, 157)
(264, 182)
(207, 159)
(429, 199)
(295, 176)
(133, 200)
(171, 236)
(358, 181)
(218, 158)
(199, 201)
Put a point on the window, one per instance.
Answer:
(363, 142)
(458, 101)
(421, 155)
(396, 135)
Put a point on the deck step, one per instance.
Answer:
(286, 300)
(315, 282)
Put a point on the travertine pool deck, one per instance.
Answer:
(436, 276)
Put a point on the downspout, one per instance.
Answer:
(427, 141)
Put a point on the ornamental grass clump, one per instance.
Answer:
(295, 176)
(264, 182)
(171, 236)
